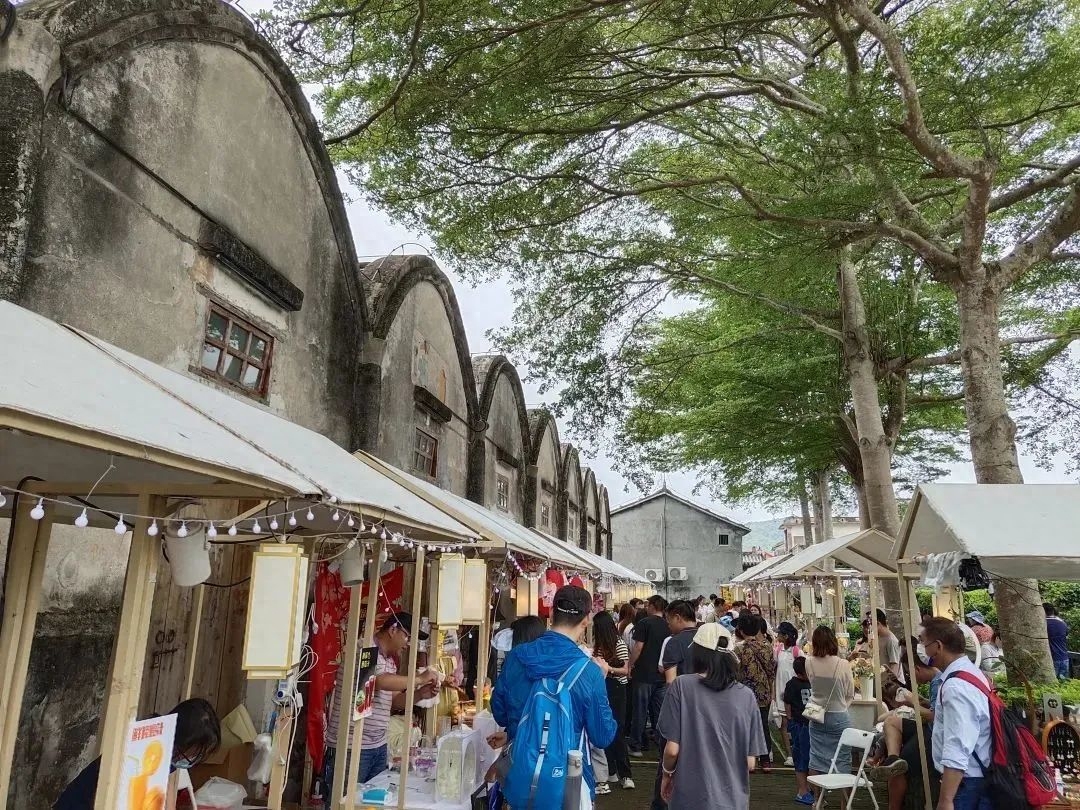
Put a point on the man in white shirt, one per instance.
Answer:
(890, 646)
(961, 738)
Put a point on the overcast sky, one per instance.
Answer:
(489, 306)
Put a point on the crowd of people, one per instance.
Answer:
(706, 684)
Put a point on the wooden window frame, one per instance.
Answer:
(724, 538)
(500, 504)
(218, 374)
(431, 467)
(545, 515)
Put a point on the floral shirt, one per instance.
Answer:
(758, 667)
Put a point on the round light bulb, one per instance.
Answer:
(336, 516)
(273, 524)
(232, 530)
(383, 535)
(310, 515)
(152, 530)
(3, 500)
(82, 520)
(121, 527)
(182, 531)
(38, 512)
(363, 528)
(384, 556)
(350, 522)
(211, 530)
(255, 527)
(292, 519)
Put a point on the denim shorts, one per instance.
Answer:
(799, 730)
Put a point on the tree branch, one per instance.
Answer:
(1044, 242)
(952, 358)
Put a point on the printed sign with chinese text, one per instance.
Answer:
(147, 759)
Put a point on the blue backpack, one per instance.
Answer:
(545, 736)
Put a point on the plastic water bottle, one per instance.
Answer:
(572, 795)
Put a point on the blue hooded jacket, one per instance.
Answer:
(549, 657)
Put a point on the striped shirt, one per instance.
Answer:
(377, 723)
(622, 655)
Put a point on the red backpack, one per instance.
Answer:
(1019, 775)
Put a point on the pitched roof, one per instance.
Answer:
(664, 491)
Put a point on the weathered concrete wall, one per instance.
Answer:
(591, 514)
(505, 438)
(689, 537)
(573, 529)
(420, 351)
(546, 472)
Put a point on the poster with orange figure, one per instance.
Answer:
(147, 759)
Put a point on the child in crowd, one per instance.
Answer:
(796, 694)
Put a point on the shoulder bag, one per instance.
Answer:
(814, 711)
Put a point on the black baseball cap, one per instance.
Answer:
(573, 601)
(405, 622)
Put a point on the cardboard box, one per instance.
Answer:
(234, 768)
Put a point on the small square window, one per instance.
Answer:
(545, 516)
(426, 454)
(235, 351)
(571, 527)
(725, 539)
(502, 493)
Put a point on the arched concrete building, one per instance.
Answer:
(163, 185)
(504, 471)
(590, 505)
(545, 477)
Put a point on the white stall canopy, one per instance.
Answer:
(760, 570)
(1016, 530)
(594, 561)
(867, 552)
(71, 405)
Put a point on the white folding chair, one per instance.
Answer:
(853, 738)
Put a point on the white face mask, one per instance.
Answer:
(183, 764)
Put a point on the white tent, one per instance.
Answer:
(1016, 530)
(595, 561)
(758, 571)
(867, 552)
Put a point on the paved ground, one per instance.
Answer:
(775, 791)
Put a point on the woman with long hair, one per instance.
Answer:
(712, 727)
(833, 687)
(610, 646)
(627, 614)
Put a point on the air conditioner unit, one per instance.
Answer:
(676, 573)
(654, 574)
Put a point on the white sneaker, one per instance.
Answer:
(789, 763)
(603, 789)
(628, 783)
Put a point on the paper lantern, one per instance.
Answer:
(277, 602)
(528, 597)
(807, 600)
(606, 584)
(446, 590)
(780, 599)
(474, 604)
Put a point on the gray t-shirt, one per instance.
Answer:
(716, 732)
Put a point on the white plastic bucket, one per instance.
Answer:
(188, 559)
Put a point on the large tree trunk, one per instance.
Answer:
(875, 449)
(992, 434)
(819, 509)
(807, 519)
(824, 484)
(864, 510)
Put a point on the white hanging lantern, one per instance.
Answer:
(276, 608)
(352, 566)
(474, 604)
(447, 590)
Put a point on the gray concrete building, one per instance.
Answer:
(164, 185)
(686, 549)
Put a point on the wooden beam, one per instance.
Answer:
(122, 693)
(348, 693)
(22, 598)
(279, 765)
(171, 489)
(410, 692)
(483, 638)
(193, 639)
(905, 608)
(374, 573)
(875, 646)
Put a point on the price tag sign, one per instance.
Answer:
(147, 757)
(1052, 706)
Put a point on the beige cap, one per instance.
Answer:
(709, 636)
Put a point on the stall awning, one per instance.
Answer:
(72, 397)
(867, 552)
(595, 561)
(1016, 530)
(491, 526)
(758, 571)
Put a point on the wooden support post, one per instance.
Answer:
(875, 643)
(22, 598)
(483, 638)
(374, 574)
(431, 716)
(193, 639)
(410, 694)
(279, 765)
(122, 694)
(348, 693)
(905, 608)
